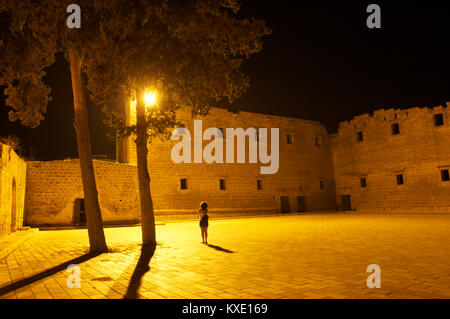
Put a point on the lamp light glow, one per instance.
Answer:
(150, 98)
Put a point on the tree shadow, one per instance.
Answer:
(142, 267)
(220, 248)
(44, 274)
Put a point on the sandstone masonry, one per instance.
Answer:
(54, 187)
(394, 160)
(12, 189)
(391, 160)
(305, 169)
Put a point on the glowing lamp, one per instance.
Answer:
(150, 98)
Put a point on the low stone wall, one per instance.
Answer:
(53, 187)
(12, 189)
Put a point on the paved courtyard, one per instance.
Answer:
(322, 255)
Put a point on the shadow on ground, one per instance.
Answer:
(44, 274)
(220, 248)
(142, 267)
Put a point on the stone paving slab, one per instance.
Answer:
(300, 256)
(10, 241)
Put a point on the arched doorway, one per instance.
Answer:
(13, 206)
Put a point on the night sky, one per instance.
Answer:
(321, 62)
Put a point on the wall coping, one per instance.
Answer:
(73, 160)
(389, 111)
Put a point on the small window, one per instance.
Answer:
(438, 119)
(400, 179)
(321, 184)
(317, 141)
(289, 139)
(359, 136)
(183, 183)
(395, 129)
(82, 209)
(222, 184)
(363, 181)
(259, 184)
(79, 212)
(444, 175)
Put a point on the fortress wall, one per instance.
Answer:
(419, 152)
(53, 187)
(302, 166)
(12, 189)
(320, 174)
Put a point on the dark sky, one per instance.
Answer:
(321, 62)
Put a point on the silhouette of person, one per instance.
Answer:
(203, 211)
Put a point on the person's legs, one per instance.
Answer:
(203, 234)
(206, 234)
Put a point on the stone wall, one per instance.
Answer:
(12, 189)
(419, 152)
(363, 160)
(53, 187)
(303, 167)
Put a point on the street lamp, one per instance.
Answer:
(150, 98)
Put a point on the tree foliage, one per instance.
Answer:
(189, 52)
(13, 142)
(33, 32)
(22, 64)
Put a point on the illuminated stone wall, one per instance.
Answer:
(12, 172)
(314, 166)
(419, 152)
(305, 169)
(304, 166)
(53, 187)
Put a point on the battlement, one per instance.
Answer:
(392, 114)
(184, 114)
(394, 159)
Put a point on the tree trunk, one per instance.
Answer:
(93, 215)
(147, 214)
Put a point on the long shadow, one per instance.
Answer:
(44, 274)
(220, 249)
(142, 267)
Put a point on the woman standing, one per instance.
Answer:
(203, 211)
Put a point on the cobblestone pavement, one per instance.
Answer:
(322, 255)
